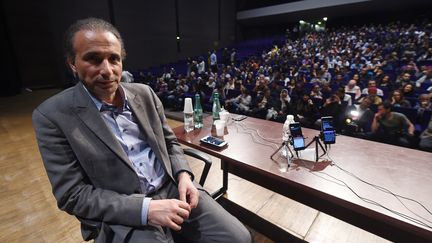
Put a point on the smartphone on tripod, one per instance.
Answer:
(298, 140)
(327, 130)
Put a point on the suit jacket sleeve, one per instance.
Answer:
(71, 185)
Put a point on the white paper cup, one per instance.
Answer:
(224, 116)
(220, 128)
(188, 106)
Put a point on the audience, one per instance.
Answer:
(304, 77)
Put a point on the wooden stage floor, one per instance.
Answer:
(28, 211)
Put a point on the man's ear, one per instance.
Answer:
(71, 64)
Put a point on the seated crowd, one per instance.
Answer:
(375, 80)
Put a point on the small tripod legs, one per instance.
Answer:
(317, 142)
(283, 146)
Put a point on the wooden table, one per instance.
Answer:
(324, 185)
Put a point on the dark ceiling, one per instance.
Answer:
(385, 7)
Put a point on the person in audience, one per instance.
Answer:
(408, 90)
(327, 91)
(315, 92)
(385, 83)
(213, 62)
(361, 117)
(229, 85)
(306, 111)
(404, 78)
(424, 103)
(397, 100)
(343, 97)
(261, 84)
(127, 77)
(426, 138)
(233, 57)
(161, 89)
(392, 127)
(112, 159)
(211, 84)
(352, 88)
(426, 56)
(176, 97)
(282, 107)
(372, 83)
(259, 106)
(201, 66)
(376, 100)
(240, 104)
(333, 107)
(425, 78)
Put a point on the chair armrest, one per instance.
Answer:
(89, 228)
(204, 158)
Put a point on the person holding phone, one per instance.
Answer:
(391, 127)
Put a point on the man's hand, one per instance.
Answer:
(187, 191)
(168, 212)
(378, 116)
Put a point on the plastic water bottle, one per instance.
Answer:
(286, 131)
(286, 135)
(188, 115)
(198, 112)
(216, 107)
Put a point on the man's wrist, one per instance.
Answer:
(184, 173)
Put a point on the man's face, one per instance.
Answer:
(98, 62)
(397, 96)
(365, 103)
(382, 111)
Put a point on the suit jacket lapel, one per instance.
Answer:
(141, 110)
(88, 113)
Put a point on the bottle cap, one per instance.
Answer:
(290, 118)
(188, 106)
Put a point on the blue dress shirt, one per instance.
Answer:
(123, 124)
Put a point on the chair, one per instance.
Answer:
(90, 228)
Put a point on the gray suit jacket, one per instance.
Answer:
(90, 174)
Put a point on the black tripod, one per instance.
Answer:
(316, 139)
(285, 144)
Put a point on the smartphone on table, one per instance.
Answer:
(298, 140)
(214, 141)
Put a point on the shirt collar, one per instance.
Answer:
(100, 103)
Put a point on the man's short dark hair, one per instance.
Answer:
(93, 24)
(386, 104)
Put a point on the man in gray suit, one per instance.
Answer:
(111, 158)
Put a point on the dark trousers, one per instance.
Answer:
(209, 222)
